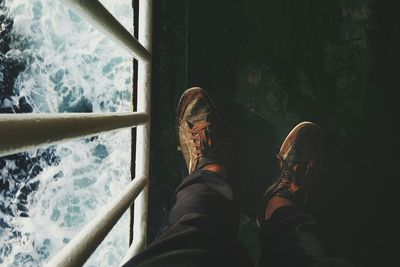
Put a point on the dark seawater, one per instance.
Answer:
(27, 167)
(19, 170)
(47, 195)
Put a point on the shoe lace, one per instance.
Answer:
(293, 173)
(198, 135)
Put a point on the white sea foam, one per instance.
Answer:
(69, 67)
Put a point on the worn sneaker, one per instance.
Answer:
(300, 159)
(198, 130)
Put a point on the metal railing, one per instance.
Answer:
(20, 132)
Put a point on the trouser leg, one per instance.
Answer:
(289, 238)
(202, 227)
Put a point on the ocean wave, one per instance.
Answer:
(53, 61)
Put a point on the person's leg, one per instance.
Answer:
(201, 229)
(288, 233)
(202, 226)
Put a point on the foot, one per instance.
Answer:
(300, 158)
(198, 130)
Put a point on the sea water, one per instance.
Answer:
(53, 61)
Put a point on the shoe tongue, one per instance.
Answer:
(199, 118)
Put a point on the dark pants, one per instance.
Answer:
(202, 231)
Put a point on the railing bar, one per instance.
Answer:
(79, 249)
(21, 132)
(98, 16)
(143, 132)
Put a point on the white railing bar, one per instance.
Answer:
(98, 16)
(79, 249)
(142, 132)
(136, 246)
(21, 132)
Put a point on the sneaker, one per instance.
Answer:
(300, 159)
(198, 130)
